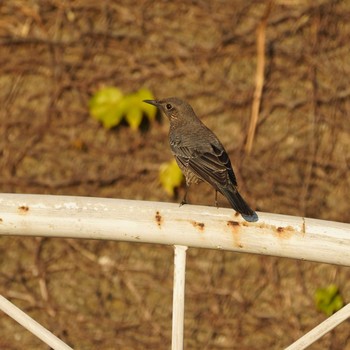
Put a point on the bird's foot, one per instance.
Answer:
(184, 199)
(216, 199)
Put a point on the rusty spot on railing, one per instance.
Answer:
(233, 223)
(198, 225)
(235, 229)
(285, 232)
(1, 220)
(159, 219)
(23, 209)
(303, 226)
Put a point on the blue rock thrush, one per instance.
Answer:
(199, 153)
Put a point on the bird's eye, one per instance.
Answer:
(169, 106)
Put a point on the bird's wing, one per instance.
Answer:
(212, 166)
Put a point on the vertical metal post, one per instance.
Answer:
(179, 297)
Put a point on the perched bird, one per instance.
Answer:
(199, 153)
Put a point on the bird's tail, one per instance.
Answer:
(237, 202)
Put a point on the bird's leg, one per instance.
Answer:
(216, 199)
(184, 200)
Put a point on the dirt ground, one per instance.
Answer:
(112, 295)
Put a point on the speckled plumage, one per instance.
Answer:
(199, 153)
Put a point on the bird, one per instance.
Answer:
(199, 153)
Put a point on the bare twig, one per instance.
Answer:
(41, 273)
(259, 77)
(313, 124)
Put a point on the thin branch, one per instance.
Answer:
(259, 77)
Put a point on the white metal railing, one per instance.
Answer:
(167, 223)
(32, 326)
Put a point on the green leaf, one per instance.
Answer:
(134, 117)
(149, 110)
(328, 300)
(110, 106)
(170, 176)
(104, 106)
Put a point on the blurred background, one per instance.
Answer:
(285, 61)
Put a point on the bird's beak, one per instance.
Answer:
(152, 102)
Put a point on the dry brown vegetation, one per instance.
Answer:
(283, 65)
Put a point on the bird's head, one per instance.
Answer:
(175, 109)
